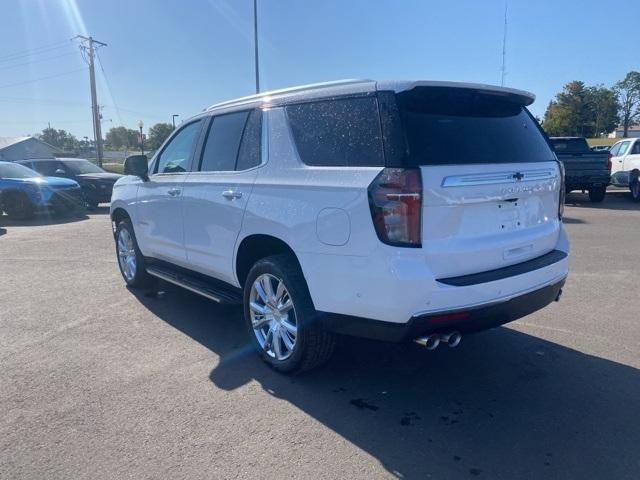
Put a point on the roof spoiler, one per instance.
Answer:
(521, 97)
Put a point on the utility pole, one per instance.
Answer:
(173, 120)
(255, 44)
(504, 46)
(88, 47)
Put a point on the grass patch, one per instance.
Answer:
(601, 141)
(114, 167)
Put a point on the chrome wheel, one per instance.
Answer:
(126, 254)
(273, 316)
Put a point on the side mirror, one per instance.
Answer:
(137, 165)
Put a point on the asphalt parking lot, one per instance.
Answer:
(99, 382)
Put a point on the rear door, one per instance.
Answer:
(159, 228)
(618, 153)
(490, 180)
(217, 191)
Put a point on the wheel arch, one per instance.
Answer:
(254, 247)
(117, 215)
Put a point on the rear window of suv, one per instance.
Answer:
(338, 133)
(464, 126)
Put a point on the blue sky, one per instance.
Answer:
(166, 57)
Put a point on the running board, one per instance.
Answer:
(213, 290)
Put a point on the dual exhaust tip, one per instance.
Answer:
(431, 342)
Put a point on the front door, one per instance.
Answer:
(159, 228)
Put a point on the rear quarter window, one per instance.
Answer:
(338, 133)
(464, 126)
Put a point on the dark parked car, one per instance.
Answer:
(96, 184)
(584, 168)
(23, 192)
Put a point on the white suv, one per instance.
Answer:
(392, 210)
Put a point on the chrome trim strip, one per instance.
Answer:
(511, 296)
(498, 178)
(166, 278)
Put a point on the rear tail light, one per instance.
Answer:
(562, 191)
(609, 162)
(395, 199)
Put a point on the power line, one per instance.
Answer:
(10, 58)
(42, 78)
(4, 67)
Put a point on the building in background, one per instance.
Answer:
(23, 148)
(634, 132)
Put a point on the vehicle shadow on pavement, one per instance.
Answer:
(613, 200)
(502, 405)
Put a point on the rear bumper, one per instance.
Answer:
(470, 320)
(587, 181)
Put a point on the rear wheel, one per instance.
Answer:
(634, 186)
(17, 205)
(596, 194)
(130, 259)
(280, 316)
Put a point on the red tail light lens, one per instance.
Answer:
(609, 162)
(395, 199)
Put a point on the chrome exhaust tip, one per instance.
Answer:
(452, 339)
(430, 342)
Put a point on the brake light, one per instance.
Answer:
(395, 199)
(609, 162)
(562, 191)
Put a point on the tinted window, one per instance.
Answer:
(82, 166)
(48, 168)
(461, 126)
(177, 154)
(249, 155)
(338, 132)
(636, 148)
(570, 145)
(223, 141)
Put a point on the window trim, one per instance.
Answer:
(156, 157)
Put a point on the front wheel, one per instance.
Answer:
(130, 259)
(596, 194)
(281, 318)
(635, 190)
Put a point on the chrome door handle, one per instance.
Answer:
(230, 194)
(174, 192)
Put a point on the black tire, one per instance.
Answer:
(17, 206)
(141, 279)
(313, 345)
(634, 187)
(596, 194)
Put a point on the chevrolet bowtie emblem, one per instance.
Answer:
(518, 176)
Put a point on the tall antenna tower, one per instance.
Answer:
(504, 47)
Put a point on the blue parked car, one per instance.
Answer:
(23, 192)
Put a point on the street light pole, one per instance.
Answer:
(255, 44)
(140, 126)
(173, 120)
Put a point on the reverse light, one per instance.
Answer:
(395, 199)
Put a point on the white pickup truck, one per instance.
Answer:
(625, 165)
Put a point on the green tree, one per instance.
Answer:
(158, 134)
(604, 107)
(121, 137)
(628, 90)
(582, 111)
(59, 138)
